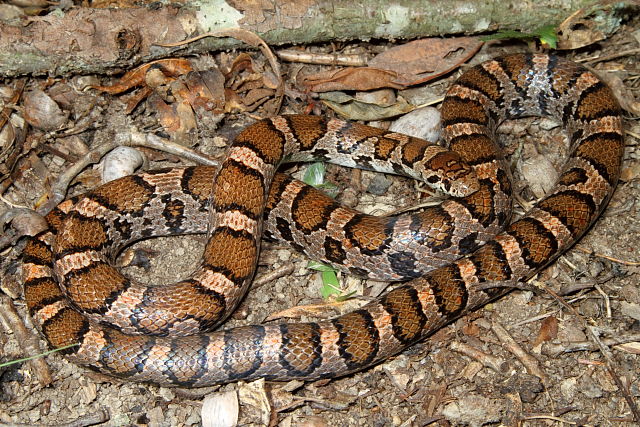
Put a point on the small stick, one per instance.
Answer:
(593, 331)
(273, 275)
(590, 346)
(616, 260)
(27, 341)
(595, 59)
(492, 362)
(529, 362)
(89, 419)
(351, 60)
(603, 349)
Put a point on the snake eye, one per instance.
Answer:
(433, 179)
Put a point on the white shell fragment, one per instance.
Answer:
(421, 123)
(220, 410)
(119, 162)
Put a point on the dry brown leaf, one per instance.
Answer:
(42, 112)
(166, 115)
(253, 40)
(622, 93)
(355, 110)
(422, 60)
(206, 90)
(233, 103)
(409, 64)
(548, 330)
(576, 31)
(364, 78)
(170, 67)
(471, 329)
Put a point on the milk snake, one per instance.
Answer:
(75, 296)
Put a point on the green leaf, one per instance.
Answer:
(314, 175)
(330, 284)
(345, 297)
(546, 34)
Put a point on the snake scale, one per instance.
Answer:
(158, 334)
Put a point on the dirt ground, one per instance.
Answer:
(468, 373)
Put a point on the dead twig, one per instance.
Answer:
(530, 363)
(92, 418)
(29, 342)
(342, 59)
(604, 350)
(272, 275)
(593, 331)
(594, 59)
(487, 360)
(616, 260)
(573, 347)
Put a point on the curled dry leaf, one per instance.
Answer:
(366, 78)
(194, 96)
(423, 60)
(169, 67)
(577, 31)
(273, 80)
(13, 128)
(622, 93)
(409, 64)
(355, 110)
(42, 112)
(205, 90)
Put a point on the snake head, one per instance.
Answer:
(451, 175)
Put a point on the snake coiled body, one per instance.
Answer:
(75, 296)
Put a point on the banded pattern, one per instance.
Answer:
(88, 231)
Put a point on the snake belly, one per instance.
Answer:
(72, 255)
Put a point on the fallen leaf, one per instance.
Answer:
(364, 78)
(170, 67)
(42, 112)
(406, 65)
(548, 330)
(423, 60)
(576, 31)
(622, 93)
(356, 110)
